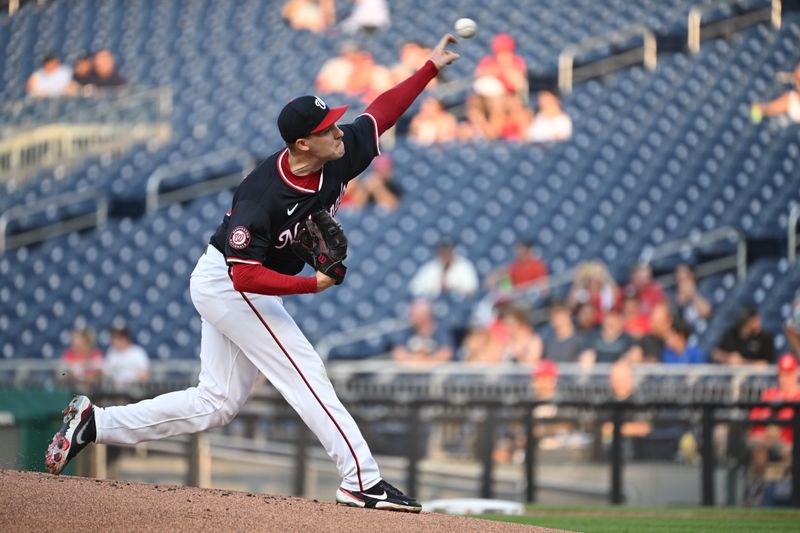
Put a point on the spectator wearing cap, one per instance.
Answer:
(774, 443)
(678, 349)
(51, 79)
(545, 380)
(746, 342)
(126, 363)
(447, 273)
(504, 66)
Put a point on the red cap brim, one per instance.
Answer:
(333, 115)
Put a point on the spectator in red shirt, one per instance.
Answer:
(773, 443)
(526, 268)
(83, 362)
(504, 65)
(644, 288)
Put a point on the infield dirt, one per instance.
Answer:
(31, 501)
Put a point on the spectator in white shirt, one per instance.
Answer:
(446, 273)
(550, 124)
(125, 361)
(52, 79)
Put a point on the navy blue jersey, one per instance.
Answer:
(267, 208)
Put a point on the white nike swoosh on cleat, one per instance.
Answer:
(79, 436)
(377, 496)
(290, 211)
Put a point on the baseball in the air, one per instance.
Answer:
(466, 28)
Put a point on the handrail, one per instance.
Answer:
(792, 232)
(164, 172)
(566, 59)
(695, 19)
(363, 333)
(99, 217)
(110, 99)
(725, 233)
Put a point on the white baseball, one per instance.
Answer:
(466, 28)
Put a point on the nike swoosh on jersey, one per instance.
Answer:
(377, 496)
(290, 211)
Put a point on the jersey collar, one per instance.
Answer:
(288, 182)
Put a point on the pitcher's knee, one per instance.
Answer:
(220, 409)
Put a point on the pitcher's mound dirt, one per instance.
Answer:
(31, 501)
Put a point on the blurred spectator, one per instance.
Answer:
(433, 124)
(622, 384)
(746, 341)
(125, 361)
(635, 324)
(336, 72)
(526, 268)
(621, 381)
(485, 343)
(611, 342)
(497, 116)
(792, 325)
(594, 285)
(378, 188)
(368, 16)
(677, 348)
(586, 320)
(786, 104)
(523, 344)
(644, 288)
(565, 346)
(692, 306)
(550, 123)
(447, 273)
(354, 73)
(52, 79)
(105, 70)
(426, 342)
(504, 66)
(545, 381)
(83, 69)
(653, 343)
(413, 56)
(774, 443)
(311, 15)
(83, 361)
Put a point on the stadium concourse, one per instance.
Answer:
(656, 156)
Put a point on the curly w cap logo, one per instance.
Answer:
(319, 103)
(240, 238)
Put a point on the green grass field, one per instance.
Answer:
(672, 520)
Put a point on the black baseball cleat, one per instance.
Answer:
(380, 496)
(78, 431)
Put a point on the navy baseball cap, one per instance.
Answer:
(306, 115)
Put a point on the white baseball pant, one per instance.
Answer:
(243, 334)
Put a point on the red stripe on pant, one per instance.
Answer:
(289, 357)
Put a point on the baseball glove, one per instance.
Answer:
(321, 243)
